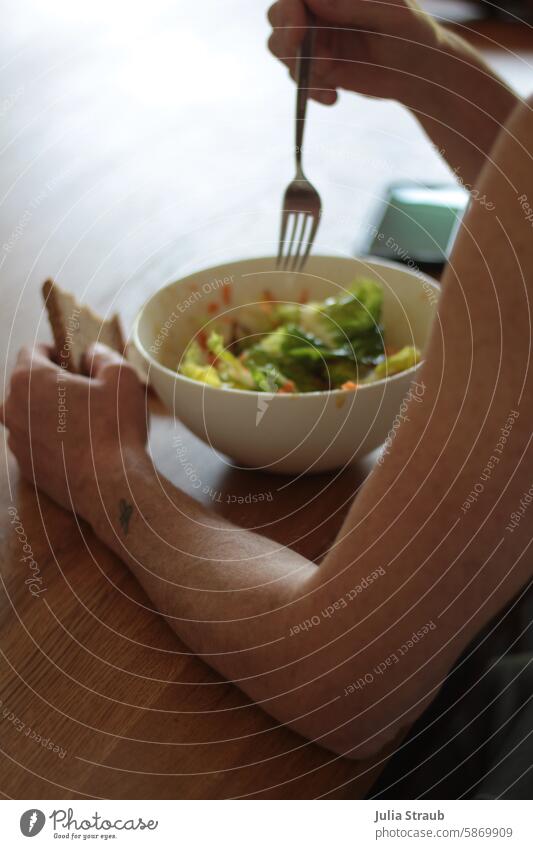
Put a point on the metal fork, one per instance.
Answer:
(301, 203)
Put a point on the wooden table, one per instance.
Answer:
(141, 144)
(87, 666)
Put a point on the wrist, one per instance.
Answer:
(433, 52)
(452, 79)
(108, 479)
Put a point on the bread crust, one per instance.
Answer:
(75, 326)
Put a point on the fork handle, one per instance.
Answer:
(302, 93)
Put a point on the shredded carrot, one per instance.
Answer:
(212, 307)
(202, 339)
(267, 295)
(304, 296)
(349, 385)
(226, 294)
(288, 386)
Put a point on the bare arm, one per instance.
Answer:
(461, 103)
(443, 563)
(439, 567)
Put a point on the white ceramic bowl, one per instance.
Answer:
(308, 432)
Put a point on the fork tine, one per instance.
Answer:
(296, 257)
(311, 238)
(282, 233)
(293, 232)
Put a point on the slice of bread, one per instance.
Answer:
(75, 326)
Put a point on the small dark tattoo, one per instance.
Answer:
(124, 516)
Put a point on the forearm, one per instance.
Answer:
(460, 102)
(219, 586)
(232, 596)
(250, 607)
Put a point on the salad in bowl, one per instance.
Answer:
(315, 346)
(288, 372)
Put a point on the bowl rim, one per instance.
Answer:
(375, 261)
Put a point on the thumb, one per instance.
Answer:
(97, 358)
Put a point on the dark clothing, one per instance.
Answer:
(475, 741)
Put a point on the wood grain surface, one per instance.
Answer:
(140, 143)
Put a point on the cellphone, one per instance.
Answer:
(417, 224)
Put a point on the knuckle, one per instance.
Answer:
(120, 372)
(8, 417)
(273, 44)
(276, 13)
(24, 355)
(111, 371)
(20, 378)
(12, 444)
